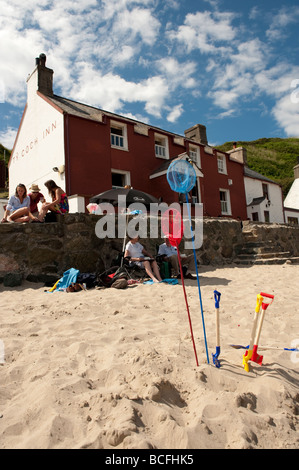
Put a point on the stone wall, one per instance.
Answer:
(285, 237)
(42, 252)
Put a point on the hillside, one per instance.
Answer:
(273, 158)
(4, 156)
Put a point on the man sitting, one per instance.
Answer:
(170, 254)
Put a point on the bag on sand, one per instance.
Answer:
(120, 283)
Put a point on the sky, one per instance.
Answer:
(231, 65)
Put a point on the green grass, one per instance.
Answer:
(274, 158)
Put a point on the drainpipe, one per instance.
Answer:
(67, 155)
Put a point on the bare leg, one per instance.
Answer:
(149, 271)
(22, 215)
(156, 270)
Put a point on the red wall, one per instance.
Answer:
(87, 155)
(89, 159)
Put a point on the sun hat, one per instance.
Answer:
(34, 188)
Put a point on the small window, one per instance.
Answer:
(194, 154)
(225, 202)
(161, 146)
(118, 133)
(265, 191)
(267, 216)
(120, 178)
(221, 161)
(293, 220)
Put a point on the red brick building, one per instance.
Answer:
(91, 150)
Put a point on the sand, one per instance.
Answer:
(116, 369)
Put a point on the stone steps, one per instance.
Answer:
(255, 251)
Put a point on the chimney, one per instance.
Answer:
(41, 78)
(238, 154)
(296, 170)
(198, 133)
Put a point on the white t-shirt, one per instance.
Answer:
(134, 249)
(167, 250)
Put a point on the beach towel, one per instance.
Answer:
(167, 281)
(67, 279)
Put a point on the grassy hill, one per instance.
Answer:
(4, 155)
(273, 158)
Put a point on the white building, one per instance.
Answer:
(291, 202)
(264, 197)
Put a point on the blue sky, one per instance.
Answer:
(228, 64)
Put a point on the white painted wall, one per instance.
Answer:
(294, 214)
(76, 204)
(254, 189)
(292, 199)
(39, 145)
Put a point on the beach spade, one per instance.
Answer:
(248, 354)
(267, 300)
(215, 356)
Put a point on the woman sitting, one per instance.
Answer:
(137, 254)
(59, 204)
(18, 207)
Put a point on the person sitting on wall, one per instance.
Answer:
(138, 255)
(59, 204)
(35, 197)
(18, 207)
(170, 254)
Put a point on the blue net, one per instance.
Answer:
(181, 176)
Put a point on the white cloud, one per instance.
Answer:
(138, 22)
(284, 17)
(110, 91)
(177, 73)
(175, 113)
(203, 30)
(7, 137)
(286, 113)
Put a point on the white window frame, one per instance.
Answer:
(161, 146)
(221, 164)
(117, 141)
(225, 205)
(126, 174)
(194, 154)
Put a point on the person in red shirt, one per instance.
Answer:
(35, 197)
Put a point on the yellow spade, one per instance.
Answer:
(248, 354)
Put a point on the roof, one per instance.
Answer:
(96, 114)
(256, 201)
(162, 169)
(254, 174)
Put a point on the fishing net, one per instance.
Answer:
(181, 176)
(172, 226)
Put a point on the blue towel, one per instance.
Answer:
(68, 277)
(167, 281)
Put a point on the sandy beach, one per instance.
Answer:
(115, 369)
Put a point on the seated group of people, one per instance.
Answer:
(140, 256)
(24, 208)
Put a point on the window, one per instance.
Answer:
(161, 146)
(194, 154)
(120, 178)
(293, 220)
(221, 161)
(267, 216)
(265, 191)
(225, 202)
(118, 134)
